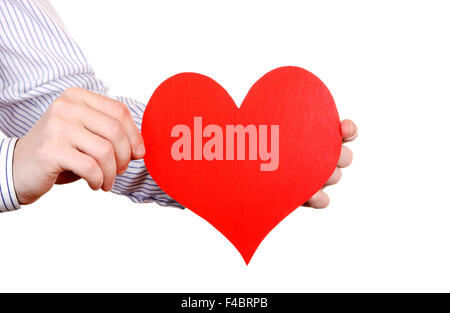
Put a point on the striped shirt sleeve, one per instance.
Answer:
(9, 200)
(38, 61)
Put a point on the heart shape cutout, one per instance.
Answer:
(233, 176)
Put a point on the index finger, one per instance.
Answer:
(120, 112)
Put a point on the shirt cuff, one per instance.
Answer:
(8, 201)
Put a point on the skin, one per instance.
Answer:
(89, 136)
(349, 133)
(81, 135)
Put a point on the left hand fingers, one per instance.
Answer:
(346, 157)
(349, 130)
(319, 201)
(349, 133)
(335, 177)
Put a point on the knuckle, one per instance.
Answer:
(90, 166)
(57, 106)
(106, 150)
(116, 131)
(122, 111)
(71, 91)
(61, 106)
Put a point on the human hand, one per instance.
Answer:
(349, 133)
(81, 135)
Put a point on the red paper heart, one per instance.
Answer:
(235, 196)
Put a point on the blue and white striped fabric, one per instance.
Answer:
(8, 200)
(38, 61)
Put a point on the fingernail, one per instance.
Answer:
(141, 150)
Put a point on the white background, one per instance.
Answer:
(388, 225)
